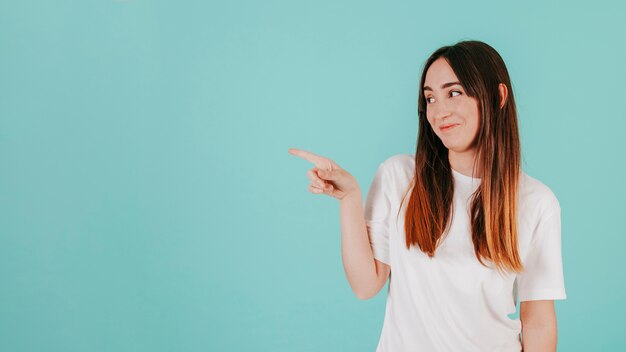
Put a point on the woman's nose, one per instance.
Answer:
(440, 111)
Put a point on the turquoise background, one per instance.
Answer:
(148, 202)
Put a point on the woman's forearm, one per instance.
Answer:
(356, 251)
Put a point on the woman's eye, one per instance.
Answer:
(451, 94)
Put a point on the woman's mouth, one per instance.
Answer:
(448, 127)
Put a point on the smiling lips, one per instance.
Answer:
(448, 127)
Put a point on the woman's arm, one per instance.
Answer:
(365, 274)
(539, 330)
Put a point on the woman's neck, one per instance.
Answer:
(463, 162)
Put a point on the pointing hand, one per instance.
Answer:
(327, 177)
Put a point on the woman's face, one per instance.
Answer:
(452, 114)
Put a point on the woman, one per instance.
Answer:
(459, 230)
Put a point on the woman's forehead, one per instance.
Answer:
(439, 73)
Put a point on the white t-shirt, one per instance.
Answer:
(451, 302)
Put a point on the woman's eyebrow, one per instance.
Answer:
(445, 85)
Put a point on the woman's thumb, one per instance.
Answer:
(324, 173)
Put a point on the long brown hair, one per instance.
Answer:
(479, 69)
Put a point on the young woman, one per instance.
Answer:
(460, 231)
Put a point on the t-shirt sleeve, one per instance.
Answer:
(377, 214)
(542, 278)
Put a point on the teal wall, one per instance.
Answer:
(148, 202)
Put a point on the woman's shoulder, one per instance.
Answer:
(400, 162)
(536, 194)
(399, 169)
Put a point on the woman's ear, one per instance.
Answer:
(504, 93)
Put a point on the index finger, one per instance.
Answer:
(318, 160)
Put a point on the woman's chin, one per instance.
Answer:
(456, 148)
(450, 145)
